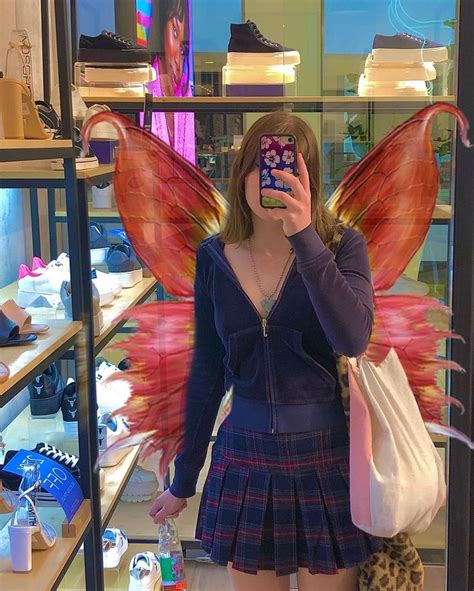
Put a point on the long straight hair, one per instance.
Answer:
(238, 224)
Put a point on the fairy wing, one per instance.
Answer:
(167, 205)
(390, 196)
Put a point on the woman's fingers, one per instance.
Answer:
(290, 181)
(285, 198)
(303, 173)
(157, 505)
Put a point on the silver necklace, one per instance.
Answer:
(268, 301)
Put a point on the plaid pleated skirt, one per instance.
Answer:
(281, 502)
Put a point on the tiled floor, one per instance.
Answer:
(200, 576)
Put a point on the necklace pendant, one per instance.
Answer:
(267, 304)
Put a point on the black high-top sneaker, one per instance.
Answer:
(69, 409)
(111, 48)
(248, 47)
(46, 392)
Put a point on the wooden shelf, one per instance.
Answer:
(48, 565)
(24, 361)
(443, 212)
(128, 299)
(41, 169)
(12, 150)
(33, 144)
(221, 104)
(116, 478)
(55, 318)
(93, 213)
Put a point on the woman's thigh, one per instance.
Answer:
(345, 580)
(265, 580)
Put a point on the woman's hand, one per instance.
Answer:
(297, 215)
(166, 505)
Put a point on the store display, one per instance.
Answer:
(257, 66)
(111, 430)
(123, 265)
(10, 333)
(83, 162)
(26, 530)
(111, 395)
(46, 392)
(145, 572)
(114, 546)
(19, 116)
(106, 286)
(99, 243)
(248, 47)
(404, 47)
(68, 461)
(111, 48)
(49, 116)
(142, 486)
(171, 556)
(97, 316)
(103, 197)
(18, 315)
(69, 409)
(397, 71)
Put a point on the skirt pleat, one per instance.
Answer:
(248, 539)
(281, 502)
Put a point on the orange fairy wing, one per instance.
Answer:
(167, 205)
(391, 193)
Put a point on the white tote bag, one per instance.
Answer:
(397, 479)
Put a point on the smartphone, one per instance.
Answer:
(277, 152)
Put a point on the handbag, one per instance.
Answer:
(398, 565)
(400, 483)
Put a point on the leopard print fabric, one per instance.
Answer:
(398, 566)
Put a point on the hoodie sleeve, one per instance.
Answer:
(205, 390)
(340, 288)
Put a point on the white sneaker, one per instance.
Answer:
(110, 431)
(101, 131)
(145, 572)
(39, 289)
(103, 281)
(141, 486)
(106, 287)
(110, 396)
(114, 546)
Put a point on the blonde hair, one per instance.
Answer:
(238, 223)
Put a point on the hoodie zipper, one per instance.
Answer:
(265, 332)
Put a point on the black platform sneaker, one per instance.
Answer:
(248, 47)
(46, 392)
(111, 48)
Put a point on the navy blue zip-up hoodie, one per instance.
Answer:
(282, 368)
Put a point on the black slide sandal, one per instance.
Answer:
(10, 333)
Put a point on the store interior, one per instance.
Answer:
(353, 69)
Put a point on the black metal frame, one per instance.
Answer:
(460, 547)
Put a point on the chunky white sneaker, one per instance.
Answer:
(141, 486)
(114, 546)
(145, 572)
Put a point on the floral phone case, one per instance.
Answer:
(277, 152)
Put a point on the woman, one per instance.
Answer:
(172, 66)
(276, 500)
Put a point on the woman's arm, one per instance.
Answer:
(205, 390)
(341, 293)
